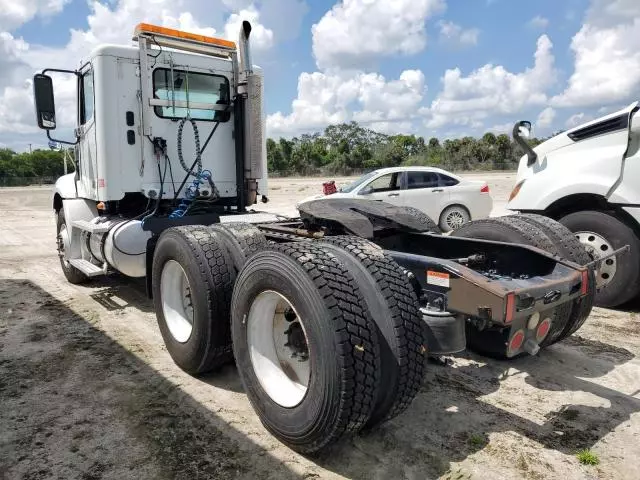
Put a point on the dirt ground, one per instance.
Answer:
(88, 391)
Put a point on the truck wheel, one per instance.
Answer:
(241, 239)
(393, 305)
(617, 280)
(192, 281)
(571, 249)
(71, 273)
(306, 350)
(423, 218)
(514, 230)
(454, 217)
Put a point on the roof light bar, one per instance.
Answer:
(170, 33)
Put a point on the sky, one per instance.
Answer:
(443, 68)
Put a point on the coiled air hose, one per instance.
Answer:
(200, 176)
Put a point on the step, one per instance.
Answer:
(86, 267)
(92, 227)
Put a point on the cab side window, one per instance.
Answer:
(87, 97)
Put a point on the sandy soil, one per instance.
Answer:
(87, 389)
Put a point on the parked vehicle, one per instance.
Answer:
(443, 196)
(588, 178)
(329, 317)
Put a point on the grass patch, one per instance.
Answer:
(476, 440)
(587, 457)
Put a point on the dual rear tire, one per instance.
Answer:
(326, 335)
(362, 339)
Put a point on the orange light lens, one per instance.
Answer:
(516, 190)
(170, 32)
(511, 307)
(584, 287)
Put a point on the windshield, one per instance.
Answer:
(352, 186)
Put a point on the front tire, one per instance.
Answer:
(617, 280)
(71, 273)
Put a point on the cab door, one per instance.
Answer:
(86, 150)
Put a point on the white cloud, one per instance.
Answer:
(502, 128)
(325, 98)
(261, 38)
(492, 89)
(546, 117)
(577, 119)
(12, 67)
(14, 13)
(454, 34)
(107, 23)
(355, 33)
(539, 22)
(607, 56)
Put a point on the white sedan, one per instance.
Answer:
(448, 199)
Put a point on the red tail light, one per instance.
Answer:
(485, 189)
(584, 288)
(515, 343)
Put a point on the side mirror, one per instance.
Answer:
(522, 130)
(44, 102)
(365, 191)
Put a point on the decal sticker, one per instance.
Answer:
(438, 278)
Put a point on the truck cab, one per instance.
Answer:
(588, 179)
(170, 131)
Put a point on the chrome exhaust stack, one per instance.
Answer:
(255, 148)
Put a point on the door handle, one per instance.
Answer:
(437, 190)
(393, 195)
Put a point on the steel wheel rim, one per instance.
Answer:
(63, 243)
(283, 371)
(177, 305)
(597, 246)
(455, 219)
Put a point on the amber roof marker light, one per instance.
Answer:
(148, 29)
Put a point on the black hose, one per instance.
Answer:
(198, 158)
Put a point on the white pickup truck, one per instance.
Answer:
(588, 178)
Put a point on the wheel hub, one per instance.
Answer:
(62, 243)
(297, 342)
(597, 246)
(177, 302)
(278, 348)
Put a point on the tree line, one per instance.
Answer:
(40, 163)
(339, 149)
(349, 147)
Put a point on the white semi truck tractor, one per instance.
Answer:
(330, 316)
(588, 179)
